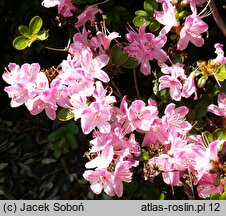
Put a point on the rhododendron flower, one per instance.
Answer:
(189, 87)
(219, 110)
(141, 116)
(102, 40)
(20, 79)
(94, 65)
(220, 59)
(42, 98)
(100, 179)
(103, 158)
(64, 6)
(173, 84)
(175, 117)
(121, 173)
(95, 116)
(191, 32)
(167, 17)
(207, 187)
(87, 15)
(144, 47)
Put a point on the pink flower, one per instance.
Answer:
(167, 17)
(121, 173)
(189, 87)
(100, 179)
(144, 47)
(141, 116)
(220, 59)
(173, 84)
(87, 15)
(158, 133)
(192, 30)
(64, 6)
(21, 80)
(94, 65)
(175, 117)
(103, 159)
(219, 110)
(95, 116)
(207, 187)
(43, 98)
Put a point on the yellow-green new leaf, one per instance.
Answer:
(21, 42)
(35, 25)
(25, 31)
(42, 35)
(65, 114)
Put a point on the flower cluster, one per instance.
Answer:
(120, 130)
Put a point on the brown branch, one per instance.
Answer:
(217, 17)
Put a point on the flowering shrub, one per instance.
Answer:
(163, 132)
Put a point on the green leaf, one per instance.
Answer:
(221, 73)
(208, 136)
(139, 21)
(201, 109)
(42, 35)
(25, 31)
(223, 196)
(65, 114)
(73, 128)
(154, 26)
(150, 6)
(215, 196)
(130, 63)
(219, 134)
(21, 42)
(118, 57)
(35, 25)
(141, 13)
(72, 140)
(182, 14)
(162, 196)
(57, 134)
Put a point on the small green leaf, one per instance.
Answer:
(154, 26)
(25, 31)
(150, 6)
(219, 134)
(141, 13)
(72, 140)
(42, 35)
(57, 134)
(139, 21)
(118, 57)
(130, 63)
(65, 114)
(201, 109)
(216, 181)
(73, 128)
(215, 196)
(223, 196)
(21, 42)
(35, 25)
(208, 136)
(221, 73)
(182, 14)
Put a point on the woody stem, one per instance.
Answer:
(218, 19)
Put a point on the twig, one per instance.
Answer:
(218, 19)
(135, 83)
(116, 92)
